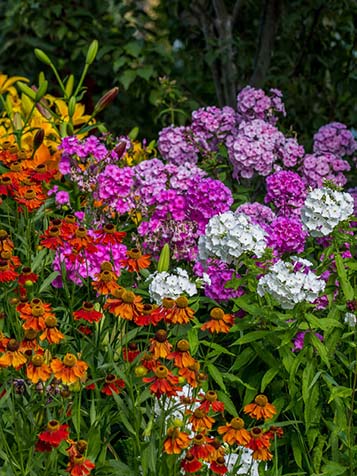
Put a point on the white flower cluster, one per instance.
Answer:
(350, 319)
(324, 209)
(170, 285)
(228, 235)
(291, 283)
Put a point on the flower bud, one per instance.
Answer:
(106, 99)
(72, 106)
(38, 139)
(69, 85)
(41, 55)
(164, 260)
(41, 91)
(92, 52)
(26, 90)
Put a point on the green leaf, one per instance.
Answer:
(268, 377)
(133, 48)
(127, 78)
(333, 469)
(217, 376)
(340, 391)
(47, 282)
(220, 349)
(192, 336)
(234, 379)
(228, 404)
(251, 337)
(146, 72)
(345, 284)
(296, 449)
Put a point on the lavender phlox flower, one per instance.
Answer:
(317, 168)
(336, 139)
(254, 103)
(176, 145)
(254, 149)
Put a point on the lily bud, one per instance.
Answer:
(69, 85)
(164, 260)
(92, 52)
(38, 139)
(105, 100)
(41, 55)
(72, 106)
(27, 90)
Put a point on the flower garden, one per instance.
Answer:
(184, 306)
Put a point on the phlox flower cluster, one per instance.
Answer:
(216, 274)
(286, 191)
(177, 209)
(211, 125)
(291, 152)
(229, 235)
(114, 186)
(254, 103)
(286, 235)
(290, 283)
(258, 213)
(171, 285)
(324, 209)
(83, 160)
(254, 149)
(334, 138)
(176, 145)
(324, 166)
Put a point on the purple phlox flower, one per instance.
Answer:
(299, 340)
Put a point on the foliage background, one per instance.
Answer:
(307, 48)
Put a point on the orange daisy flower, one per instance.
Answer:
(159, 313)
(202, 446)
(126, 305)
(34, 314)
(210, 402)
(70, 370)
(146, 318)
(112, 384)
(160, 347)
(176, 441)
(219, 322)
(131, 352)
(234, 432)
(82, 241)
(190, 374)
(3, 342)
(218, 452)
(51, 333)
(31, 196)
(218, 466)
(79, 466)
(51, 238)
(180, 313)
(6, 244)
(135, 260)
(182, 357)
(7, 273)
(13, 357)
(109, 235)
(260, 444)
(199, 420)
(27, 277)
(163, 383)
(29, 341)
(106, 280)
(191, 464)
(260, 409)
(37, 370)
(88, 313)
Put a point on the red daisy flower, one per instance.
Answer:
(54, 434)
(164, 382)
(88, 313)
(112, 385)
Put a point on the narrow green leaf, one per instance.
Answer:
(217, 376)
(268, 377)
(345, 284)
(47, 282)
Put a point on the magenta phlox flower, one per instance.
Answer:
(287, 192)
(299, 340)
